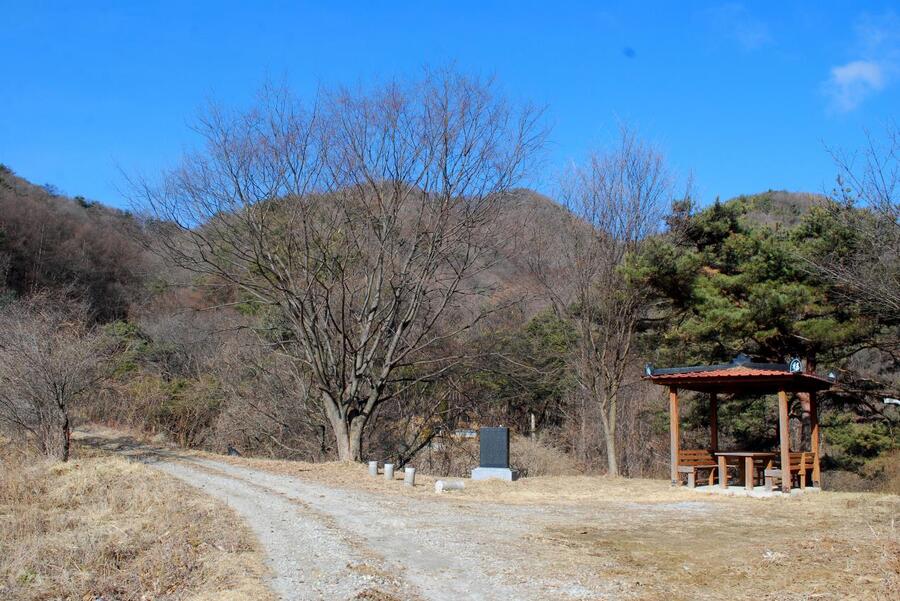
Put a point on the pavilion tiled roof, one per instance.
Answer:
(731, 372)
(741, 374)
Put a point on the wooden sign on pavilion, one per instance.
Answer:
(742, 376)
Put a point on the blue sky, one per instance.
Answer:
(743, 97)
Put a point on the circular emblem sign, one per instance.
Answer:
(795, 366)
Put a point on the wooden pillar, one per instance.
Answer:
(713, 422)
(814, 436)
(723, 472)
(674, 434)
(785, 440)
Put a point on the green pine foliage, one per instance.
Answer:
(728, 284)
(734, 278)
(528, 369)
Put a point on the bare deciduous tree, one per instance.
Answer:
(49, 360)
(618, 198)
(357, 223)
(869, 180)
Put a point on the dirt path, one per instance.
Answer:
(334, 544)
(331, 532)
(329, 543)
(308, 561)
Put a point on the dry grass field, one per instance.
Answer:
(102, 527)
(661, 543)
(630, 539)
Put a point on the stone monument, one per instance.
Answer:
(494, 455)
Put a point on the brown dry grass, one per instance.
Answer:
(821, 547)
(101, 526)
(881, 474)
(659, 543)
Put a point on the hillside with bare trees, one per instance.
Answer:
(365, 276)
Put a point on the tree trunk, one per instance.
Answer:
(804, 434)
(348, 436)
(584, 417)
(56, 438)
(66, 438)
(341, 435)
(356, 433)
(612, 463)
(609, 434)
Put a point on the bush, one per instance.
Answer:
(540, 457)
(853, 444)
(188, 410)
(450, 456)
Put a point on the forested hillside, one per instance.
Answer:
(253, 324)
(80, 248)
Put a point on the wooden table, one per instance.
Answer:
(746, 466)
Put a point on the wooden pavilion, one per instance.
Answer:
(743, 376)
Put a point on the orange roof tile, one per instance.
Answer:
(725, 373)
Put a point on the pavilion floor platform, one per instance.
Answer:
(758, 492)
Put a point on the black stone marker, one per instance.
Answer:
(494, 447)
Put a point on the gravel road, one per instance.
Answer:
(329, 543)
(364, 541)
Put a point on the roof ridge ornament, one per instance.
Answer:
(742, 359)
(794, 366)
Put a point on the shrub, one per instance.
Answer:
(187, 410)
(852, 444)
(456, 457)
(540, 457)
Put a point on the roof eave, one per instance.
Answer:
(794, 382)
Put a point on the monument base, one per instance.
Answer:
(494, 473)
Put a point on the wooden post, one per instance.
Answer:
(723, 472)
(713, 422)
(814, 436)
(674, 434)
(785, 441)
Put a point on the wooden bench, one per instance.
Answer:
(693, 460)
(800, 465)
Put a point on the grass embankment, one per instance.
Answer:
(104, 527)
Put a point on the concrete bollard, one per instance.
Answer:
(373, 468)
(388, 471)
(442, 485)
(409, 476)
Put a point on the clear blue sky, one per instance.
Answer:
(744, 97)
